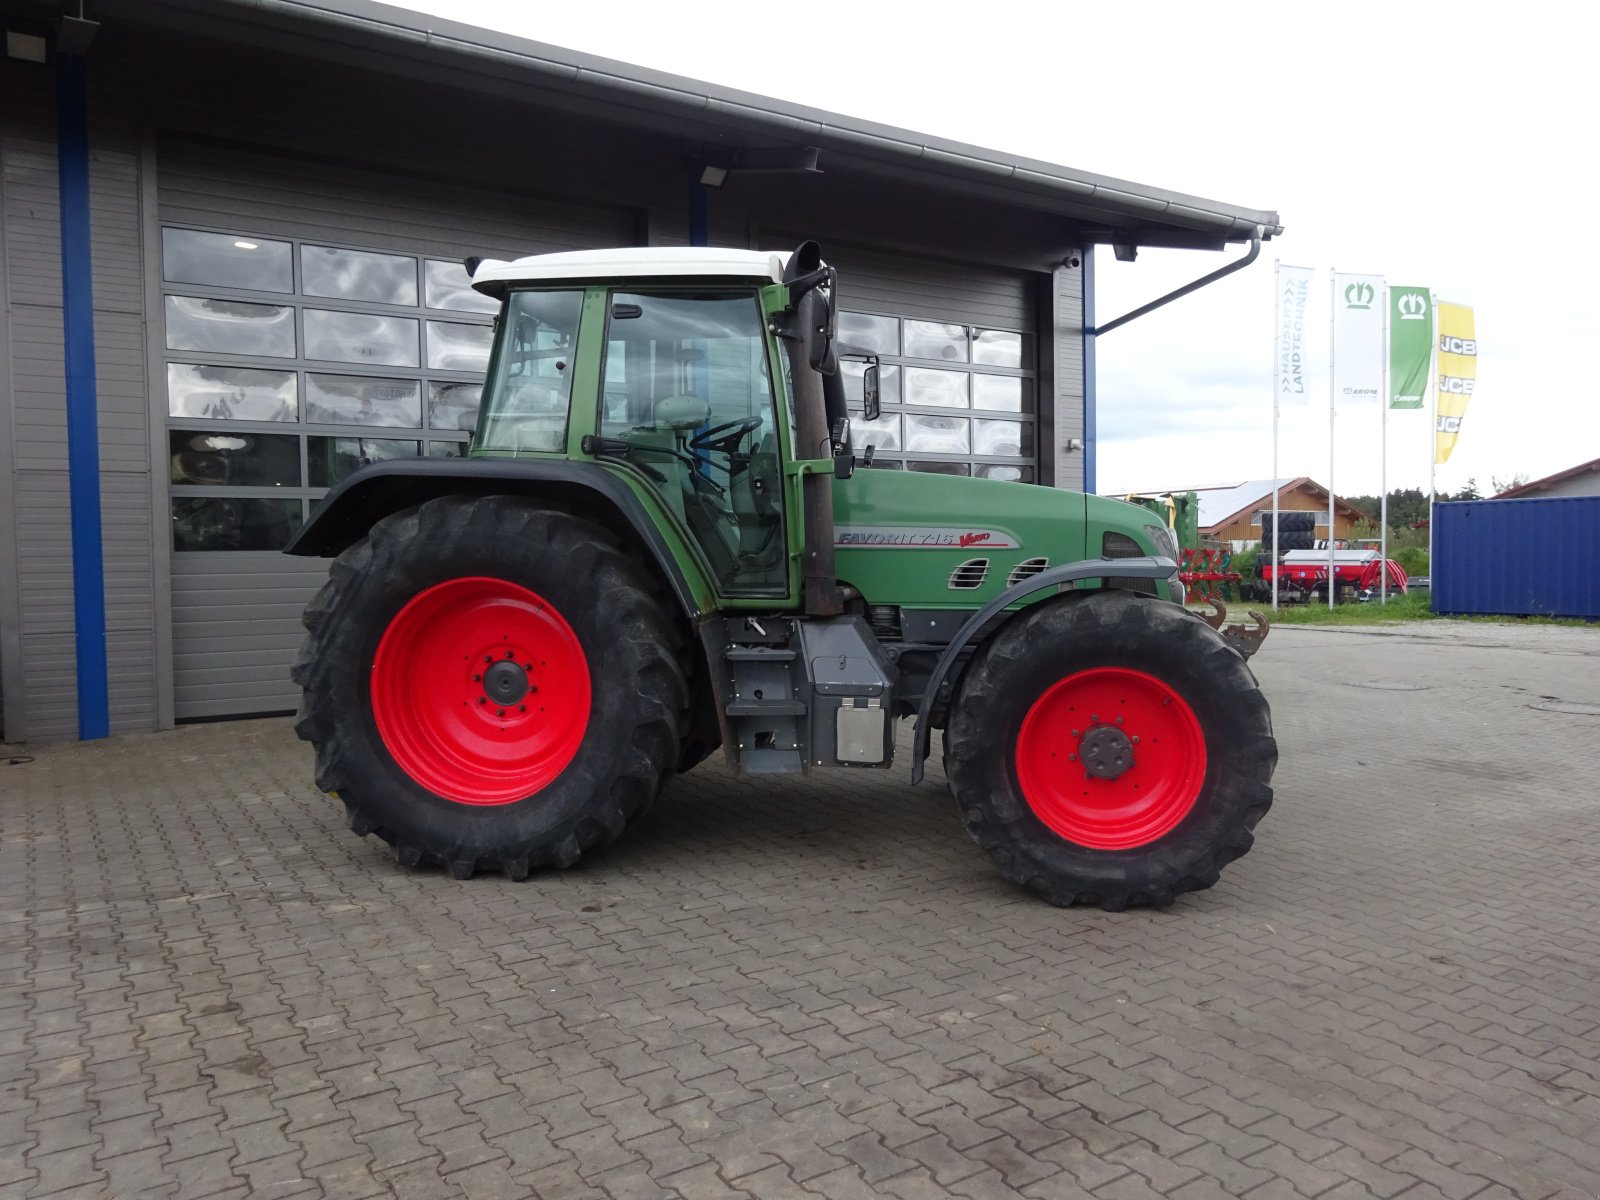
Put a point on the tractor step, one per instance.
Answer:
(758, 654)
(771, 762)
(765, 708)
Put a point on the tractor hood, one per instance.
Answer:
(934, 541)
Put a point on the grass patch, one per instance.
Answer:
(1411, 606)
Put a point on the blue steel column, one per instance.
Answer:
(1090, 441)
(83, 434)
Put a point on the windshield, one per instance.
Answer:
(530, 391)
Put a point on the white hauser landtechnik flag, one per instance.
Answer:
(1294, 294)
(1358, 347)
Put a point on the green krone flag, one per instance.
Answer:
(1410, 344)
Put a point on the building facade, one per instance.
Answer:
(1234, 514)
(232, 237)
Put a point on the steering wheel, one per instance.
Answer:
(725, 438)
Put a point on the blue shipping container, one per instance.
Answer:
(1537, 557)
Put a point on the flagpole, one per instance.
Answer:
(1333, 358)
(1277, 383)
(1383, 461)
(1433, 431)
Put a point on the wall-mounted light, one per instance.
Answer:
(713, 176)
(1074, 443)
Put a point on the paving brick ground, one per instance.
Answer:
(209, 988)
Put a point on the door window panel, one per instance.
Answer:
(925, 339)
(228, 458)
(230, 327)
(231, 393)
(881, 335)
(233, 523)
(996, 348)
(938, 435)
(330, 459)
(936, 389)
(453, 347)
(226, 260)
(884, 433)
(358, 400)
(454, 405)
(687, 387)
(358, 275)
(361, 338)
(998, 392)
(448, 286)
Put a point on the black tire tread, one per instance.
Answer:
(1122, 619)
(644, 756)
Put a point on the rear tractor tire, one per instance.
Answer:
(1110, 749)
(491, 685)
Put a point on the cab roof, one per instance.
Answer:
(492, 276)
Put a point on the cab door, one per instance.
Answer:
(687, 385)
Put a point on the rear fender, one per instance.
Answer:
(372, 493)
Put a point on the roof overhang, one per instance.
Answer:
(1101, 209)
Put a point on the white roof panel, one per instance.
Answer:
(634, 262)
(1219, 503)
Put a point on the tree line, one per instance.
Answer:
(1409, 506)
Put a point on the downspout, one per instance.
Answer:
(82, 403)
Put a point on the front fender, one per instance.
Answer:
(1053, 578)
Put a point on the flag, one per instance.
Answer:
(1410, 345)
(1294, 292)
(1357, 338)
(1458, 373)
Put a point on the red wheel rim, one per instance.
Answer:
(480, 691)
(1150, 797)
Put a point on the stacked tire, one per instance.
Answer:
(1296, 531)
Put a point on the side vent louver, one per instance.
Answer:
(1025, 569)
(970, 574)
(1119, 545)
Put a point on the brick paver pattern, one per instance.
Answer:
(819, 988)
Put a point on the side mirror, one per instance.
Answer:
(871, 408)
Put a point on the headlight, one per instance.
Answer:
(1166, 542)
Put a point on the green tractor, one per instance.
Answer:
(663, 542)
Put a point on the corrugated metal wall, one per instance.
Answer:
(1537, 557)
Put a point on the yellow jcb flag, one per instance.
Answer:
(1457, 374)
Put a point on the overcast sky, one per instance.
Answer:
(1417, 141)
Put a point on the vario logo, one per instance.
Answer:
(1411, 307)
(1358, 295)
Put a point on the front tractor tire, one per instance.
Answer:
(490, 684)
(1110, 749)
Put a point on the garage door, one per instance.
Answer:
(957, 354)
(315, 319)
